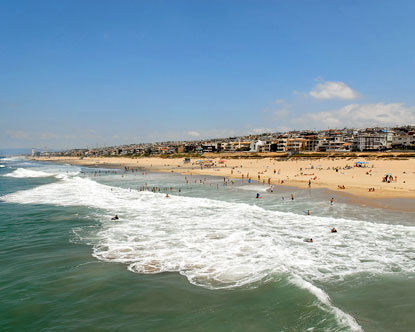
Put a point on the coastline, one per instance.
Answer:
(323, 173)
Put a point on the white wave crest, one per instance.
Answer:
(1, 166)
(343, 318)
(253, 187)
(30, 173)
(17, 158)
(27, 173)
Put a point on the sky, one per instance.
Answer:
(76, 74)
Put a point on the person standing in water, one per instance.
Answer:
(292, 197)
(332, 201)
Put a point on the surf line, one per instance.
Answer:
(342, 317)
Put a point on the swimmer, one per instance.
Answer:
(115, 217)
(167, 196)
(334, 230)
(310, 240)
(308, 212)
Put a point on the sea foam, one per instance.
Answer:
(31, 173)
(17, 158)
(217, 244)
(225, 244)
(342, 317)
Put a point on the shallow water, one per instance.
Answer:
(210, 257)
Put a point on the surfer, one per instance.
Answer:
(310, 240)
(115, 217)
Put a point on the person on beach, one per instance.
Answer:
(309, 183)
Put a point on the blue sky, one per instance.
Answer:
(87, 73)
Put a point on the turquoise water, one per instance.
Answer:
(209, 258)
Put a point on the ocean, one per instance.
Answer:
(210, 257)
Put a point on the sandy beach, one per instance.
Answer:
(332, 174)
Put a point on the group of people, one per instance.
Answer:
(310, 240)
(389, 178)
(258, 195)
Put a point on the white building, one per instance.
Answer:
(257, 146)
(404, 140)
(373, 141)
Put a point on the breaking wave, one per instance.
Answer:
(30, 173)
(218, 244)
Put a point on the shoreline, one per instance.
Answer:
(323, 174)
